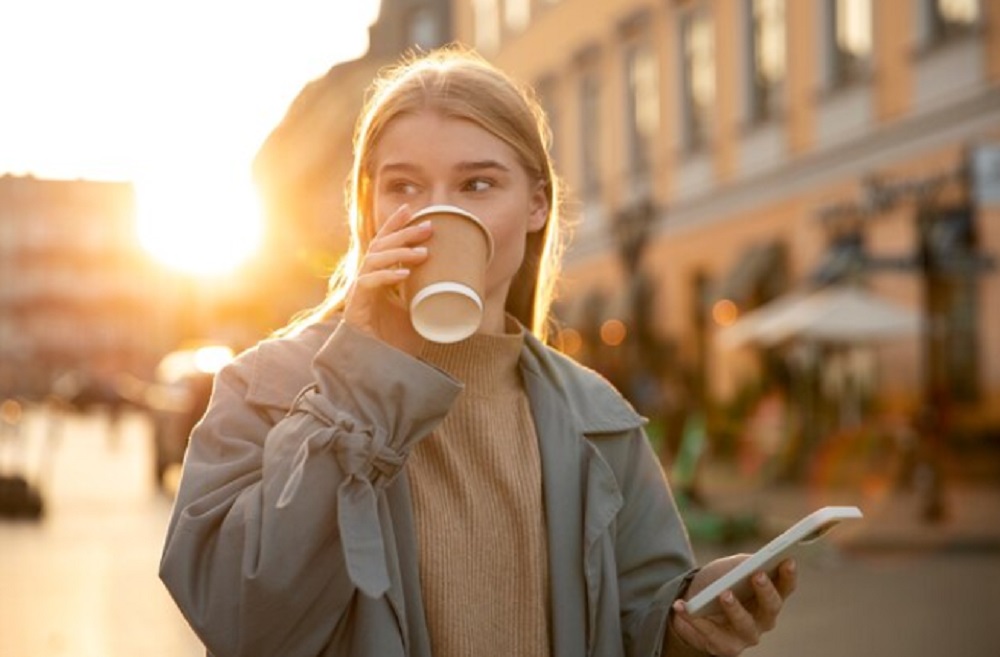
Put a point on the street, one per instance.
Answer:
(913, 605)
(83, 583)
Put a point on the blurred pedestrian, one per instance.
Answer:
(356, 490)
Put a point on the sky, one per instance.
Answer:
(167, 95)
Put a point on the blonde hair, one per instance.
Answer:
(458, 83)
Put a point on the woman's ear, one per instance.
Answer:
(538, 207)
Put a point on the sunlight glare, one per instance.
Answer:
(175, 97)
(202, 227)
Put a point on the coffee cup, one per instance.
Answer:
(446, 293)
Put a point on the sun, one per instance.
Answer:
(202, 227)
(183, 125)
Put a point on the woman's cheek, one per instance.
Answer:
(508, 252)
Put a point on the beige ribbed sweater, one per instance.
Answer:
(477, 498)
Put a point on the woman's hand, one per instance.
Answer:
(741, 624)
(374, 304)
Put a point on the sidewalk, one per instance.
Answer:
(892, 519)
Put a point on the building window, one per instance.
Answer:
(546, 92)
(590, 134)
(851, 41)
(422, 29)
(643, 105)
(952, 18)
(940, 21)
(487, 26)
(768, 52)
(516, 14)
(698, 77)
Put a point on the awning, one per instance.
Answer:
(751, 272)
(840, 314)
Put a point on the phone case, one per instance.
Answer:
(767, 558)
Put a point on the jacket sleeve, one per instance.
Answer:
(653, 554)
(276, 526)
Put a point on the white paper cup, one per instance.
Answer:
(446, 292)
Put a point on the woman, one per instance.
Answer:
(355, 490)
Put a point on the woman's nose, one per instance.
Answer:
(440, 196)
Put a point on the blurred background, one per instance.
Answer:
(785, 253)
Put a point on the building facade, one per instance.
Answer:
(77, 300)
(721, 153)
(302, 166)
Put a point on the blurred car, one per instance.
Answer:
(178, 399)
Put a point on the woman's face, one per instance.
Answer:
(427, 159)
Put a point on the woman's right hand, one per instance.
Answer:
(371, 306)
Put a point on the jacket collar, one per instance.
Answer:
(282, 367)
(596, 406)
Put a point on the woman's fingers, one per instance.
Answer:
(395, 232)
(726, 634)
(741, 621)
(395, 221)
(394, 259)
(408, 236)
(382, 278)
(387, 268)
(373, 301)
(768, 601)
(788, 578)
(394, 250)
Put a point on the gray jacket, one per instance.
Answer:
(292, 533)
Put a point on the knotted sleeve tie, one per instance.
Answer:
(366, 461)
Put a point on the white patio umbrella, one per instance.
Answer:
(840, 314)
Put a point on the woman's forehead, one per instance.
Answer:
(429, 138)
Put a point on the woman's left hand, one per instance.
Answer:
(741, 624)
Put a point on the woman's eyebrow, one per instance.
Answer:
(400, 167)
(480, 165)
(466, 166)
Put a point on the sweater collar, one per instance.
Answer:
(486, 363)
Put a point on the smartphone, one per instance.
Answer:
(767, 559)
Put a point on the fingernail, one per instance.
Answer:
(420, 250)
(728, 597)
(401, 272)
(678, 606)
(424, 225)
(760, 578)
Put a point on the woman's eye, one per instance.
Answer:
(402, 187)
(479, 184)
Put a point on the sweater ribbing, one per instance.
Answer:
(477, 496)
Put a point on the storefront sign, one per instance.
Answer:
(880, 196)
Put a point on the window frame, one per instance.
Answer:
(696, 134)
(765, 103)
(639, 139)
(486, 26)
(843, 68)
(589, 93)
